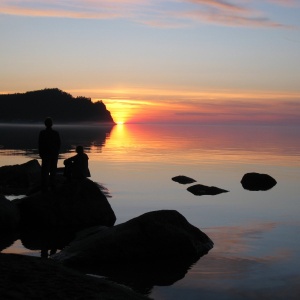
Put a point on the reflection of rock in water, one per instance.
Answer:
(24, 138)
(142, 277)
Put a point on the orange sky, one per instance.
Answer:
(210, 107)
(232, 61)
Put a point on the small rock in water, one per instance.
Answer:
(258, 182)
(200, 190)
(183, 179)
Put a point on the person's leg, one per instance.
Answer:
(45, 174)
(53, 168)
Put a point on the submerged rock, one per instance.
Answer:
(75, 204)
(257, 182)
(201, 190)
(153, 236)
(183, 179)
(27, 277)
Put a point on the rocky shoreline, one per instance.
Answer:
(77, 219)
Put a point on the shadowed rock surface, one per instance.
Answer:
(9, 214)
(201, 190)
(75, 204)
(143, 276)
(257, 182)
(19, 179)
(183, 179)
(153, 236)
(25, 277)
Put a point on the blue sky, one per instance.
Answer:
(198, 55)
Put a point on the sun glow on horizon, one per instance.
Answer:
(223, 106)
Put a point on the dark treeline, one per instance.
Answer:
(34, 106)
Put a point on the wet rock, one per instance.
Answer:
(25, 277)
(19, 179)
(257, 182)
(153, 236)
(75, 204)
(183, 179)
(9, 214)
(201, 190)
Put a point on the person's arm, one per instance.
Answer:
(69, 160)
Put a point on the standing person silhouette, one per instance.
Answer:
(49, 146)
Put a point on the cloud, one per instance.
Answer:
(287, 3)
(165, 13)
(221, 5)
(233, 20)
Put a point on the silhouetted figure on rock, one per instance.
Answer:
(77, 167)
(49, 146)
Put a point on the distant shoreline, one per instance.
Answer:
(34, 106)
(102, 124)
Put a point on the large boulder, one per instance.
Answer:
(257, 182)
(26, 277)
(9, 214)
(75, 204)
(19, 179)
(153, 236)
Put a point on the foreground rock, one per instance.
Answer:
(201, 190)
(75, 205)
(153, 236)
(183, 179)
(258, 182)
(9, 215)
(20, 179)
(25, 277)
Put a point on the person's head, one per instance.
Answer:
(79, 149)
(48, 122)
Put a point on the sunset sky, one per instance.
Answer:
(206, 61)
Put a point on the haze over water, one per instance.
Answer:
(256, 253)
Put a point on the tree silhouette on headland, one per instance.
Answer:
(34, 106)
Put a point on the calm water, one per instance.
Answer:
(256, 234)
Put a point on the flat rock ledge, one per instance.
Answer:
(27, 277)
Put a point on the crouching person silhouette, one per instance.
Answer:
(77, 167)
(49, 146)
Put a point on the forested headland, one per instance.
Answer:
(35, 106)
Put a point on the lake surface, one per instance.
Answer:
(256, 233)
